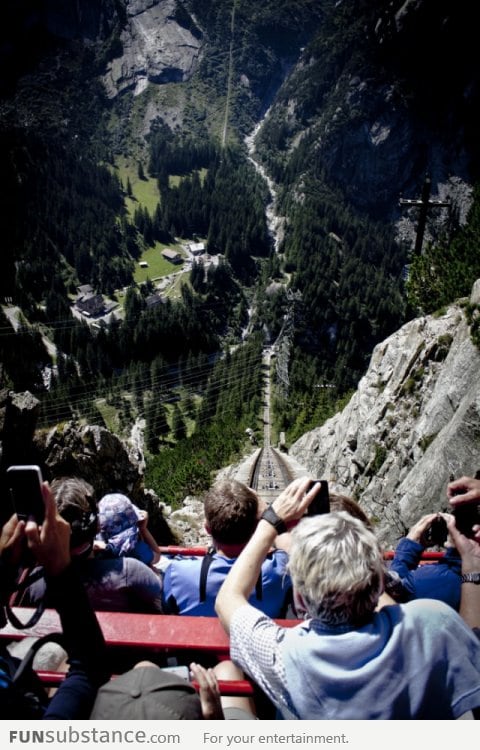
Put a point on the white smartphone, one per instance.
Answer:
(25, 484)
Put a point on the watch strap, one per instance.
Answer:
(470, 578)
(272, 518)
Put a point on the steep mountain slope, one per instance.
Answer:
(413, 422)
(353, 101)
(384, 93)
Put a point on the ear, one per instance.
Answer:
(299, 605)
(207, 529)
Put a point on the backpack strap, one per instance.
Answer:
(21, 587)
(206, 562)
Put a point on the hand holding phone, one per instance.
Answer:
(25, 484)
(467, 516)
(437, 533)
(321, 502)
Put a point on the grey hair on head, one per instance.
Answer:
(337, 568)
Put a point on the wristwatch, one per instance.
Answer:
(272, 518)
(470, 578)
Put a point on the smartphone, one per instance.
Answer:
(437, 533)
(466, 516)
(25, 484)
(321, 502)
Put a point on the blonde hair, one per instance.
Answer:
(337, 567)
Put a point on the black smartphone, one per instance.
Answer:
(437, 533)
(321, 502)
(25, 484)
(466, 516)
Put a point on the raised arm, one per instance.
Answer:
(84, 640)
(11, 536)
(288, 507)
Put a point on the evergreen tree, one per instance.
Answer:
(179, 430)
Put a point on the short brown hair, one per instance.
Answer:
(75, 499)
(72, 491)
(349, 505)
(231, 510)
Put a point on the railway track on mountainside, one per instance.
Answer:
(270, 473)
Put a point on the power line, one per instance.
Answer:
(65, 405)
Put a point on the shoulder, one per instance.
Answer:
(431, 612)
(131, 571)
(132, 565)
(180, 567)
(184, 562)
(275, 563)
(250, 620)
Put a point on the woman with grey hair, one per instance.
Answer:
(348, 659)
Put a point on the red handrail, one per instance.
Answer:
(227, 687)
(172, 549)
(426, 555)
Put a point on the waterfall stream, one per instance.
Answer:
(275, 222)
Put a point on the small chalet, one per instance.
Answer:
(172, 255)
(91, 305)
(84, 289)
(154, 299)
(196, 248)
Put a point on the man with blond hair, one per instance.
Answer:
(349, 659)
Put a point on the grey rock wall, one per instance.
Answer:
(413, 422)
(156, 49)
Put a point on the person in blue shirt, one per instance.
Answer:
(191, 584)
(440, 580)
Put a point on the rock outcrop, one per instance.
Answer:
(156, 48)
(413, 422)
(90, 452)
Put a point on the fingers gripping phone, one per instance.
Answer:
(25, 484)
(321, 502)
(437, 533)
(466, 515)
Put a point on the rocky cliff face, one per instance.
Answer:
(90, 452)
(403, 102)
(413, 422)
(156, 48)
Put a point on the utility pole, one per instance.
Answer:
(424, 203)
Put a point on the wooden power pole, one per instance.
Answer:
(424, 204)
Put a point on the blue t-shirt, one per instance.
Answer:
(181, 585)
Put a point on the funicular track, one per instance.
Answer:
(270, 473)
